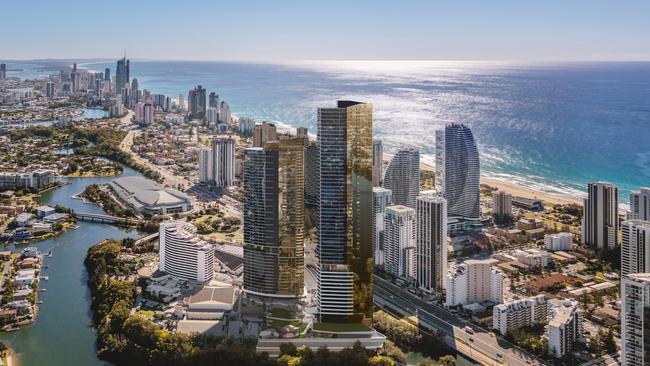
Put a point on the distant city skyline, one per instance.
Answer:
(363, 30)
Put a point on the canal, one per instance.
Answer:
(63, 333)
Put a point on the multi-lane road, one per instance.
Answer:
(481, 346)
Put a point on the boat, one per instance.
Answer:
(42, 289)
(39, 301)
(74, 227)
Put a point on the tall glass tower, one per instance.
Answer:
(344, 221)
(458, 171)
(121, 74)
(274, 219)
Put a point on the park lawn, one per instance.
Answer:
(341, 327)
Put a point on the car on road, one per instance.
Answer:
(469, 330)
(499, 354)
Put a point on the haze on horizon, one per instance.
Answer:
(283, 30)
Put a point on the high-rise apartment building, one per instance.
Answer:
(205, 165)
(640, 204)
(600, 216)
(564, 328)
(635, 319)
(431, 242)
(182, 254)
(559, 241)
(107, 74)
(458, 171)
(213, 100)
(501, 203)
(225, 116)
(303, 132)
(196, 100)
(344, 275)
(121, 74)
(223, 161)
(399, 241)
(212, 116)
(402, 177)
(264, 133)
(49, 89)
(3, 71)
(311, 173)
(377, 163)
(635, 247)
(381, 198)
(274, 219)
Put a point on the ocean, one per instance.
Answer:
(552, 127)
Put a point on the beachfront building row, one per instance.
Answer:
(474, 281)
(35, 179)
(182, 254)
(274, 219)
(217, 164)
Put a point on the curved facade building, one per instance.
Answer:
(182, 254)
(274, 219)
(402, 177)
(458, 171)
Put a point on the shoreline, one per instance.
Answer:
(517, 189)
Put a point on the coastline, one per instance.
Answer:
(517, 189)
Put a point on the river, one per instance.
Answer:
(63, 333)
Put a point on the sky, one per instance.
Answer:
(280, 30)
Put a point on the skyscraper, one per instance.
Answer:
(399, 241)
(635, 319)
(205, 165)
(225, 116)
(458, 171)
(264, 133)
(402, 177)
(640, 204)
(3, 71)
(635, 247)
(381, 198)
(303, 133)
(431, 242)
(311, 173)
(121, 74)
(196, 100)
(213, 100)
(49, 89)
(223, 161)
(377, 163)
(107, 74)
(344, 223)
(274, 219)
(600, 216)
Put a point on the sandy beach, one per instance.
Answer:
(517, 189)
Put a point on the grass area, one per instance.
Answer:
(145, 314)
(282, 313)
(237, 237)
(341, 327)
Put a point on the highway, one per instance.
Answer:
(482, 346)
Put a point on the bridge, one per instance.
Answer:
(106, 219)
(147, 238)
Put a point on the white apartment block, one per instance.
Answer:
(182, 254)
(520, 313)
(501, 203)
(564, 328)
(559, 241)
(399, 241)
(533, 258)
(205, 165)
(635, 247)
(635, 319)
(474, 281)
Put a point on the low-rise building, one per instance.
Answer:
(43, 211)
(559, 241)
(520, 313)
(533, 258)
(144, 195)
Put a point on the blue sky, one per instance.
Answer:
(540, 30)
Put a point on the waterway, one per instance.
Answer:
(63, 333)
